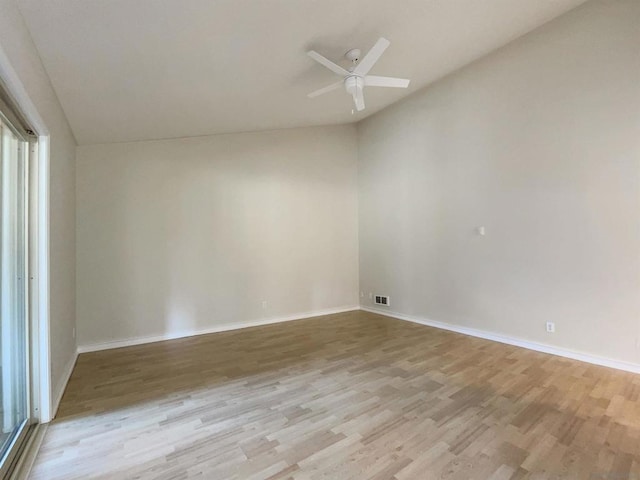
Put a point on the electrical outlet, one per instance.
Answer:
(361, 294)
(73, 333)
(265, 304)
(551, 327)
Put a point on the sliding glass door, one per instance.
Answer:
(14, 324)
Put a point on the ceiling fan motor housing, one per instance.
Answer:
(353, 83)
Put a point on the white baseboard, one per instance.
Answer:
(127, 342)
(518, 342)
(62, 385)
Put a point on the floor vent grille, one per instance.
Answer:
(382, 300)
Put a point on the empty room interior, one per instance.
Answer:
(320, 239)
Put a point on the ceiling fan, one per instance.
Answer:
(355, 78)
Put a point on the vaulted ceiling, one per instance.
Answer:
(148, 69)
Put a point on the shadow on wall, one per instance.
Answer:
(174, 244)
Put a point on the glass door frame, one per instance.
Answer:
(16, 101)
(29, 154)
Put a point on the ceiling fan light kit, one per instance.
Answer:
(356, 77)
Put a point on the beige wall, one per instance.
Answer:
(17, 45)
(540, 143)
(179, 236)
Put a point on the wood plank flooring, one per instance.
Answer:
(348, 396)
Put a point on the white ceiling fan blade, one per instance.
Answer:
(376, 81)
(326, 89)
(358, 99)
(371, 57)
(328, 63)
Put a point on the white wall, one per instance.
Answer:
(184, 235)
(540, 143)
(17, 46)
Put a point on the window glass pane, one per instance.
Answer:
(14, 367)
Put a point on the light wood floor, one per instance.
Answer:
(349, 396)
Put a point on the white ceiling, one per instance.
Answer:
(147, 69)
